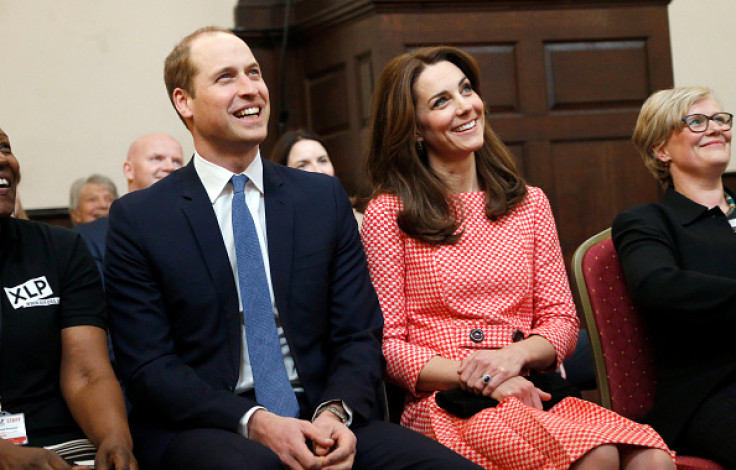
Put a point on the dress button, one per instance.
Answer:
(476, 335)
(517, 336)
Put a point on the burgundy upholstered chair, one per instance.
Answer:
(622, 354)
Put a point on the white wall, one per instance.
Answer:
(702, 37)
(81, 79)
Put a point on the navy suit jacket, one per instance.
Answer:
(174, 307)
(94, 234)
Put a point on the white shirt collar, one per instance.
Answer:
(215, 178)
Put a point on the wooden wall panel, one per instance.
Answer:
(563, 82)
(592, 178)
(518, 152)
(364, 79)
(584, 75)
(327, 103)
(498, 66)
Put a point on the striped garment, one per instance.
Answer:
(76, 452)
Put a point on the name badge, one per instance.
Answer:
(13, 428)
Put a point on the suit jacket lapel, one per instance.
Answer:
(198, 210)
(280, 235)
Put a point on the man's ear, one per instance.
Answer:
(182, 103)
(128, 171)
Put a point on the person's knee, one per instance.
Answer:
(659, 459)
(599, 458)
(646, 459)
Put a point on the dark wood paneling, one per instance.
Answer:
(518, 152)
(498, 66)
(584, 75)
(729, 179)
(563, 82)
(593, 181)
(53, 216)
(327, 103)
(364, 79)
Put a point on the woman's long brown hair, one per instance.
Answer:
(396, 166)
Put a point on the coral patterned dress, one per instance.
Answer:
(450, 300)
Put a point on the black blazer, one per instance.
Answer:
(174, 307)
(679, 259)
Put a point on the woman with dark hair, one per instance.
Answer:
(468, 269)
(61, 402)
(303, 150)
(679, 258)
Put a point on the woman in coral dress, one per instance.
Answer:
(468, 269)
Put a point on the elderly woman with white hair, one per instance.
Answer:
(679, 259)
(90, 198)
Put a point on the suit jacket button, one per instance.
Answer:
(476, 335)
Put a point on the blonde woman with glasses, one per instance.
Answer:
(679, 258)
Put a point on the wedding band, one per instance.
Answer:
(486, 378)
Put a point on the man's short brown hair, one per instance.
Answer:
(179, 71)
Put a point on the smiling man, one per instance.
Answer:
(245, 324)
(151, 158)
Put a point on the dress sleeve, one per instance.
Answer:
(384, 245)
(555, 317)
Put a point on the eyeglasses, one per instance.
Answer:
(699, 122)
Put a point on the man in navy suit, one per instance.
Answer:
(172, 280)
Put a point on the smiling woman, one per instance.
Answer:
(54, 344)
(90, 198)
(303, 150)
(469, 273)
(679, 257)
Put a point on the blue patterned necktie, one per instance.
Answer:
(271, 382)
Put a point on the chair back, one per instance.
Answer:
(622, 353)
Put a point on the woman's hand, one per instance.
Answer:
(520, 388)
(484, 370)
(115, 453)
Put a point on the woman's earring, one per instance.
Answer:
(420, 146)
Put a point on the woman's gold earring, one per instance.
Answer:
(420, 146)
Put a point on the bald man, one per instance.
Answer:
(151, 158)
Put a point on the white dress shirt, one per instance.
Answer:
(216, 181)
